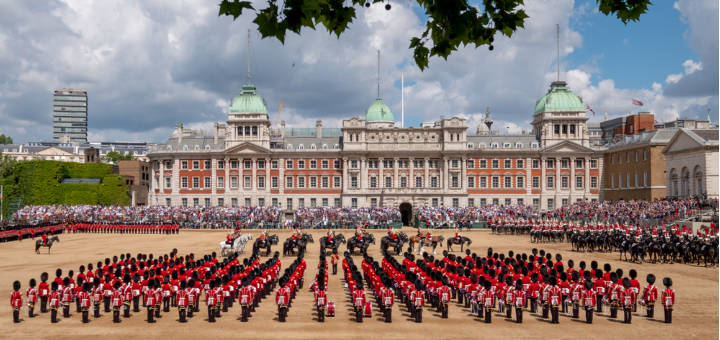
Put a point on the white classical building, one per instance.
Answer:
(692, 163)
(371, 161)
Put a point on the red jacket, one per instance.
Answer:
(84, 298)
(445, 293)
(418, 298)
(54, 300)
(182, 299)
(628, 297)
(358, 298)
(16, 300)
(31, 295)
(321, 298)
(117, 299)
(668, 298)
(650, 294)
(555, 296)
(519, 298)
(589, 299)
(282, 297)
(43, 289)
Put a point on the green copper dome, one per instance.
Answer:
(379, 112)
(248, 101)
(559, 98)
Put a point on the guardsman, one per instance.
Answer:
(44, 239)
(444, 294)
(84, 298)
(358, 296)
(555, 296)
(245, 300)
(388, 299)
(668, 299)
(54, 301)
(66, 297)
(182, 301)
(650, 295)
(635, 285)
(166, 294)
(519, 300)
(418, 300)
(628, 300)
(589, 300)
(150, 301)
(136, 293)
(534, 292)
(97, 297)
(127, 295)
(116, 301)
(487, 299)
(16, 301)
(31, 295)
(191, 297)
(321, 298)
(334, 261)
(615, 292)
(44, 292)
(282, 298)
(576, 289)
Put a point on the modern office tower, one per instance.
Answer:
(70, 115)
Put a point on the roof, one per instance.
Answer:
(708, 135)
(379, 112)
(524, 141)
(81, 181)
(559, 98)
(248, 101)
(657, 137)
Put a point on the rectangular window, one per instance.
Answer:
(495, 182)
(471, 202)
(301, 203)
(354, 182)
(645, 155)
(579, 182)
(636, 180)
(495, 201)
(208, 182)
(455, 181)
(325, 181)
(536, 182)
(508, 201)
(556, 129)
(313, 164)
(536, 203)
(508, 182)
(373, 182)
(274, 164)
(274, 182)
(454, 163)
(289, 164)
(612, 181)
(353, 203)
(435, 202)
(521, 202)
(234, 202)
(301, 182)
(403, 182)
(261, 182)
(233, 164)
(288, 182)
(184, 202)
(207, 165)
(220, 182)
(324, 202)
(627, 182)
(248, 164)
(645, 179)
(550, 204)
(535, 163)
(354, 165)
(289, 203)
(483, 181)
(248, 202)
(550, 163)
(564, 202)
(456, 202)
(274, 202)
(313, 182)
(221, 164)
(579, 164)
(593, 182)
(593, 164)
(495, 163)
(564, 182)
(325, 164)
(168, 165)
(373, 202)
(233, 181)
(168, 202)
(508, 164)
(248, 182)
(196, 182)
(183, 182)
(184, 164)
(168, 182)
(483, 164)
(261, 164)
(207, 202)
(196, 164)
(627, 157)
(483, 202)
(520, 182)
(636, 157)
(564, 163)
(338, 203)
(550, 182)
(520, 163)
(196, 202)
(471, 181)
(301, 164)
(336, 182)
(470, 163)
(434, 182)
(418, 182)
(388, 182)
(261, 202)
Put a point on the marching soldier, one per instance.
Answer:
(54, 300)
(555, 296)
(31, 295)
(358, 301)
(97, 297)
(650, 295)
(84, 298)
(321, 298)
(66, 297)
(117, 301)
(16, 301)
(589, 300)
(668, 299)
(519, 298)
(488, 301)
(628, 300)
(44, 292)
(150, 301)
(334, 258)
(182, 301)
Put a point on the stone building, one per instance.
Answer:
(370, 161)
(692, 163)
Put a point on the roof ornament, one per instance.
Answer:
(488, 121)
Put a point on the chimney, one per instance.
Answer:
(179, 129)
(282, 129)
(217, 131)
(318, 129)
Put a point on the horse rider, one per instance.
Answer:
(44, 239)
(392, 233)
(229, 239)
(263, 235)
(359, 233)
(330, 236)
(418, 231)
(458, 234)
(428, 237)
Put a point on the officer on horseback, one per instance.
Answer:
(44, 239)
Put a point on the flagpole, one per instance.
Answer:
(402, 100)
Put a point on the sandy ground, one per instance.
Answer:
(696, 315)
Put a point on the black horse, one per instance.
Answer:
(397, 244)
(266, 244)
(301, 244)
(50, 241)
(458, 240)
(334, 244)
(353, 243)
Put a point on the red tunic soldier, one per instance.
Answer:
(388, 299)
(417, 299)
(44, 292)
(321, 298)
(182, 301)
(668, 299)
(555, 296)
(54, 301)
(31, 295)
(66, 297)
(16, 301)
(589, 300)
(444, 294)
(97, 297)
(245, 299)
(358, 297)
(84, 298)
(116, 301)
(282, 299)
(628, 300)
(487, 299)
(150, 301)
(519, 300)
(650, 295)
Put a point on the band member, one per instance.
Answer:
(16, 301)
(54, 300)
(534, 292)
(555, 296)
(181, 300)
(31, 295)
(96, 297)
(66, 297)
(84, 297)
(334, 258)
(117, 301)
(668, 299)
(321, 298)
(150, 301)
(650, 295)
(358, 301)
(589, 300)
(519, 298)
(628, 300)
(44, 292)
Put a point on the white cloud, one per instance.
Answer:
(691, 66)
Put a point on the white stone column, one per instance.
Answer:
(396, 170)
(587, 177)
(411, 176)
(268, 180)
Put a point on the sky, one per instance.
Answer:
(148, 65)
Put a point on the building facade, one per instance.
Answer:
(692, 163)
(137, 179)
(70, 115)
(635, 166)
(73, 152)
(370, 161)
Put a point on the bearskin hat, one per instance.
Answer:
(650, 278)
(667, 282)
(16, 285)
(44, 277)
(588, 284)
(633, 273)
(626, 282)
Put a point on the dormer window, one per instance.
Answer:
(519, 145)
(494, 145)
(469, 145)
(207, 147)
(324, 146)
(289, 146)
(313, 147)
(301, 147)
(506, 145)
(185, 148)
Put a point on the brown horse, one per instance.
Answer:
(421, 239)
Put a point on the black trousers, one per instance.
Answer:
(668, 315)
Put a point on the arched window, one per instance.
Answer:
(207, 147)
(197, 147)
(185, 148)
(289, 146)
(301, 147)
(313, 147)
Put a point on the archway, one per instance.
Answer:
(406, 213)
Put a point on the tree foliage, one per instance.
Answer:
(450, 23)
(114, 157)
(5, 139)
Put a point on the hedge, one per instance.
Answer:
(40, 183)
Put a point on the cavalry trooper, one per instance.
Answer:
(16, 301)
(31, 295)
(668, 299)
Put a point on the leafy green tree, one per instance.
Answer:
(114, 157)
(450, 23)
(5, 139)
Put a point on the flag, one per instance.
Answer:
(637, 102)
(587, 107)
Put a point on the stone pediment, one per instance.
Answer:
(353, 122)
(246, 148)
(682, 141)
(53, 151)
(568, 146)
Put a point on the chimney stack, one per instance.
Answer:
(318, 129)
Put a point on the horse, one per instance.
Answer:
(266, 244)
(337, 240)
(238, 245)
(386, 242)
(50, 241)
(421, 240)
(363, 245)
(301, 244)
(461, 241)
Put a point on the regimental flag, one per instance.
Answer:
(637, 102)
(587, 107)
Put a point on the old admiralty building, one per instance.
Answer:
(370, 161)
